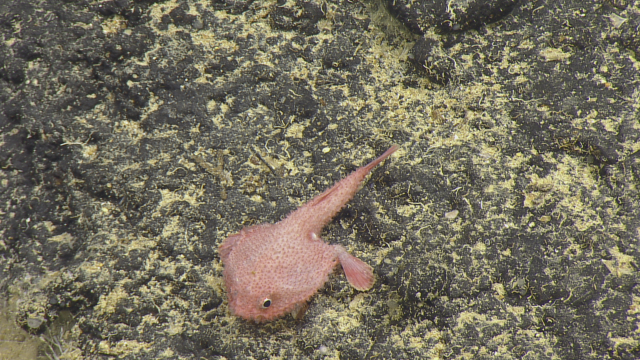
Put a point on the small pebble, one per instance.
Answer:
(34, 323)
(451, 214)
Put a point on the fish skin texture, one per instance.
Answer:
(273, 269)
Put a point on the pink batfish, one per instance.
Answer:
(273, 269)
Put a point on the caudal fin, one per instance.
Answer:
(321, 209)
(380, 159)
(359, 274)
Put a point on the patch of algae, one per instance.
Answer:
(15, 343)
(108, 303)
(122, 347)
(58, 341)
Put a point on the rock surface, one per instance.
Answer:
(134, 135)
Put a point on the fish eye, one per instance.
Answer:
(266, 303)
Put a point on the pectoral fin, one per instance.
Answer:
(359, 274)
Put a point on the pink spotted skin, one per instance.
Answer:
(273, 269)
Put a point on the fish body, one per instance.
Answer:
(273, 269)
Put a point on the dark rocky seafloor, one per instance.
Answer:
(136, 135)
